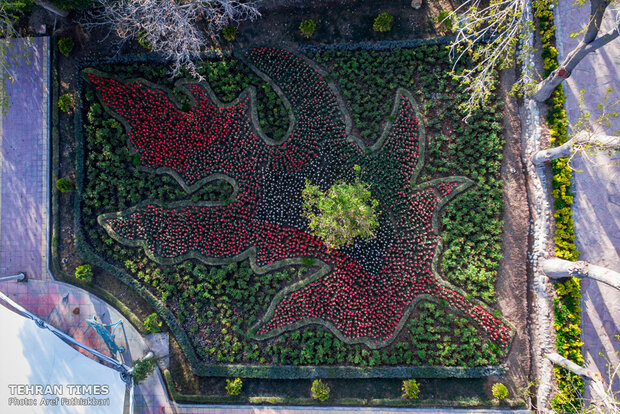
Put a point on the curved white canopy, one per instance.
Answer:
(32, 357)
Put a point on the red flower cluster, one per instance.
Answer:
(362, 297)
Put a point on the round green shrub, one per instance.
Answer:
(411, 389)
(84, 273)
(445, 21)
(144, 44)
(66, 103)
(64, 185)
(65, 46)
(307, 28)
(142, 369)
(233, 387)
(320, 390)
(499, 391)
(153, 323)
(342, 213)
(383, 23)
(230, 33)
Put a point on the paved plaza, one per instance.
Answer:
(597, 188)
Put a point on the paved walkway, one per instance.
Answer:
(23, 172)
(597, 188)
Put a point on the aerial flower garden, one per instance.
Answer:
(195, 190)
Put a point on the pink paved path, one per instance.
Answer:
(597, 188)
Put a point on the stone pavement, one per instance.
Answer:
(597, 188)
(24, 166)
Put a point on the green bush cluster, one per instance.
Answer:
(566, 306)
(383, 22)
(65, 46)
(342, 213)
(74, 4)
(143, 368)
(233, 387)
(143, 42)
(411, 389)
(65, 185)
(153, 323)
(445, 21)
(84, 273)
(499, 391)
(320, 390)
(307, 28)
(472, 226)
(66, 103)
(230, 33)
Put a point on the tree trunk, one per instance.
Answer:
(602, 400)
(572, 367)
(565, 150)
(588, 44)
(559, 268)
(49, 6)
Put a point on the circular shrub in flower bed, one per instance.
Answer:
(362, 293)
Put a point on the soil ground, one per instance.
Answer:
(337, 21)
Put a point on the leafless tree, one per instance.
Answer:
(589, 136)
(177, 30)
(603, 400)
(489, 35)
(592, 40)
(493, 36)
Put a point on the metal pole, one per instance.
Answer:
(19, 276)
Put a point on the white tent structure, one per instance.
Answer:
(43, 374)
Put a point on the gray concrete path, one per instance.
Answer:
(597, 188)
(24, 172)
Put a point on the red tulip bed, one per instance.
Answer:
(370, 287)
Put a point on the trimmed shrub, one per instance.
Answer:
(142, 369)
(307, 28)
(230, 33)
(153, 323)
(65, 46)
(411, 389)
(233, 387)
(65, 185)
(84, 273)
(73, 4)
(499, 391)
(383, 23)
(446, 24)
(144, 44)
(66, 103)
(320, 390)
(342, 213)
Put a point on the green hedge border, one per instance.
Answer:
(247, 371)
(472, 402)
(566, 307)
(54, 149)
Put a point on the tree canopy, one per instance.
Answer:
(342, 213)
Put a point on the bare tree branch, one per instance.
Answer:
(589, 43)
(169, 26)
